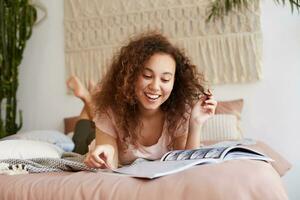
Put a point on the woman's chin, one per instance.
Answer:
(150, 106)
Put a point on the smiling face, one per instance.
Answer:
(154, 85)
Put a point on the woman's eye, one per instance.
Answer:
(165, 80)
(147, 76)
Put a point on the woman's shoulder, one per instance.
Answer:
(105, 121)
(105, 115)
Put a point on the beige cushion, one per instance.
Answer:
(231, 107)
(225, 124)
(221, 127)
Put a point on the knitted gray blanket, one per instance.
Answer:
(68, 162)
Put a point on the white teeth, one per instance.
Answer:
(152, 96)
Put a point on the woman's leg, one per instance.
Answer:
(84, 94)
(84, 131)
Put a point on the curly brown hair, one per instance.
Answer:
(117, 91)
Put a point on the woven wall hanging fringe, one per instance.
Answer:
(227, 50)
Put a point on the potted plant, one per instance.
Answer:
(17, 18)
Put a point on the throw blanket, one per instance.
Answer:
(68, 162)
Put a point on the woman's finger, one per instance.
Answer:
(102, 155)
(209, 107)
(211, 102)
(209, 97)
(208, 93)
(96, 157)
(88, 163)
(96, 164)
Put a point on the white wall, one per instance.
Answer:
(271, 105)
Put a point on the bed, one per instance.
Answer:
(236, 179)
(230, 180)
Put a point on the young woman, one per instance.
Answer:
(151, 100)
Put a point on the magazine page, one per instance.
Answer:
(178, 160)
(215, 151)
(153, 169)
(246, 155)
(201, 153)
(243, 152)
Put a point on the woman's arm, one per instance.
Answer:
(180, 142)
(202, 110)
(190, 140)
(193, 138)
(105, 152)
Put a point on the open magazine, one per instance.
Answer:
(178, 160)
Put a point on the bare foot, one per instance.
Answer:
(91, 86)
(78, 89)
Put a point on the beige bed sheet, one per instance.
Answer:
(238, 179)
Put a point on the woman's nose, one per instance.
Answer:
(154, 85)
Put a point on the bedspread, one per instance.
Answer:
(236, 179)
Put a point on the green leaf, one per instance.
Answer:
(220, 8)
(17, 20)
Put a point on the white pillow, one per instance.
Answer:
(221, 127)
(50, 136)
(26, 149)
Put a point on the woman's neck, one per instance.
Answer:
(152, 127)
(147, 114)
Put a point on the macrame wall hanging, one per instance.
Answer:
(227, 50)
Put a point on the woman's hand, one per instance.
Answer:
(203, 109)
(101, 156)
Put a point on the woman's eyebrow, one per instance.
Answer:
(165, 73)
(148, 69)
